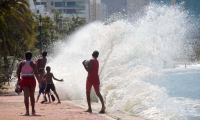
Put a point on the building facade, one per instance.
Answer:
(91, 10)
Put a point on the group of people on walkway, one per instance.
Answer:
(28, 71)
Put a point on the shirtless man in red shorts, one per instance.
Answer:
(93, 80)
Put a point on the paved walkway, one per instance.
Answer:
(12, 108)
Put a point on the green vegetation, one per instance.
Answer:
(19, 32)
(67, 26)
(16, 31)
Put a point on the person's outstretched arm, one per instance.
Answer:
(56, 78)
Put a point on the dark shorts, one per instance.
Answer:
(28, 81)
(43, 86)
(50, 86)
(89, 86)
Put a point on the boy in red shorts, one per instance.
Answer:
(93, 80)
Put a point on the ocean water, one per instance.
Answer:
(181, 85)
(137, 59)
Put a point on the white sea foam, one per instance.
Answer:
(131, 53)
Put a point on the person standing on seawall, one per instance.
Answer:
(27, 70)
(93, 80)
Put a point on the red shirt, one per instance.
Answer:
(93, 76)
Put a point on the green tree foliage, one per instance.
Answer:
(16, 27)
(16, 30)
(67, 26)
(46, 34)
(74, 23)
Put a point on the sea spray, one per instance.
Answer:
(130, 54)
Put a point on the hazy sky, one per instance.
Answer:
(115, 5)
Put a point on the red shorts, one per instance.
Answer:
(89, 86)
(28, 81)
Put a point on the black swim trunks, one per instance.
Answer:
(50, 86)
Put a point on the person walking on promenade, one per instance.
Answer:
(25, 73)
(93, 80)
(49, 83)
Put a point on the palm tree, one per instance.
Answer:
(16, 28)
(75, 23)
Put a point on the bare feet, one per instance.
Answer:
(89, 110)
(33, 112)
(102, 110)
(58, 102)
(26, 114)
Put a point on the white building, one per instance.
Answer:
(90, 10)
